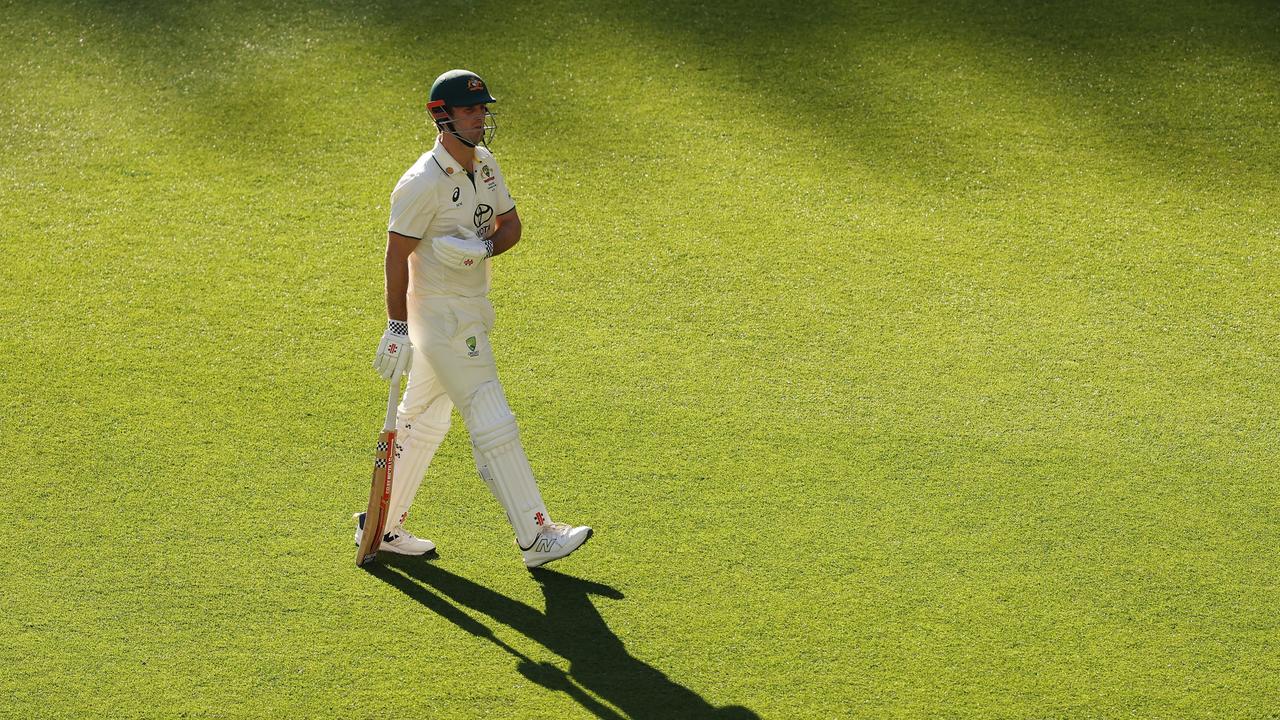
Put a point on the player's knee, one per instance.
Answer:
(419, 431)
(489, 419)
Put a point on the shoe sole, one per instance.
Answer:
(590, 533)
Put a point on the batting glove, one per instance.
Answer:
(459, 252)
(395, 352)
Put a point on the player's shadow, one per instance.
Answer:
(571, 627)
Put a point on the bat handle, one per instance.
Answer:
(393, 399)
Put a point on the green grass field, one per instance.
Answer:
(914, 362)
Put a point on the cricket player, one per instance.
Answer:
(450, 214)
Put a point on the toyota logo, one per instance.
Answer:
(484, 214)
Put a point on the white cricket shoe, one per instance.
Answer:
(555, 541)
(404, 542)
(397, 540)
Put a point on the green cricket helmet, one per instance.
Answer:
(461, 88)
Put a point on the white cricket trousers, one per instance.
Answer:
(453, 365)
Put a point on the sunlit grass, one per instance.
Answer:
(908, 362)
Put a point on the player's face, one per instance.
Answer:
(468, 121)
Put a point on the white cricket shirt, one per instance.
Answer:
(436, 197)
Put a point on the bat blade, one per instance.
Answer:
(375, 518)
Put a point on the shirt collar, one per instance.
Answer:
(447, 162)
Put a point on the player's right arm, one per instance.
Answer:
(397, 271)
(395, 352)
(412, 208)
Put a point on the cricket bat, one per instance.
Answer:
(384, 456)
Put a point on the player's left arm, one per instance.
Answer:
(506, 232)
(506, 228)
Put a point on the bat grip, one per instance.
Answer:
(393, 399)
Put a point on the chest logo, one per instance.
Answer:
(483, 215)
(456, 191)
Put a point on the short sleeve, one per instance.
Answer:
(504, 202)
(412, 208)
